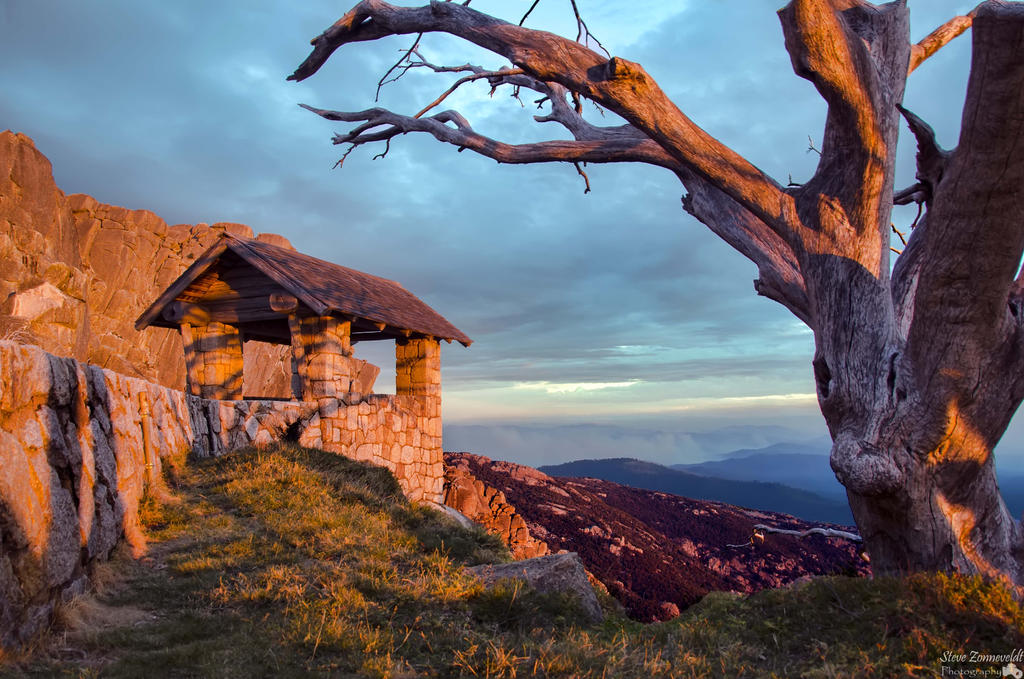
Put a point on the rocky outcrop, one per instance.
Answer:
(487, 506)
(73, 467)
(659, 553)
(555, 573)
(76, 273)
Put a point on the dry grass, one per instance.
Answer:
(294, 562)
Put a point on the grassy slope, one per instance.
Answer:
(295, 562)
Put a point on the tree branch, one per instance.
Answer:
(939, 38)
(398, 64)
(827, 532)
(379, 124)
(616, 84)
(931, 162)
(855, 55)
(493, 76)
(779, 273)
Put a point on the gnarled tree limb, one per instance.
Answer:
(779, 275)
(826, 532)
(975, 238)
(379, 124)
(778, 267)
(939, 38)
(855, 56)
(931, 162)
(616, 84)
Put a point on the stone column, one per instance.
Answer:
(321, 357)
(218, 360)
(193, 378)
(418, 373)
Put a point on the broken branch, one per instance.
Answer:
(827, 532)
(939, 38)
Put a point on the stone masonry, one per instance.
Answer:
(214, 360)
(79, 445)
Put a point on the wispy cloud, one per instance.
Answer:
(573, 387)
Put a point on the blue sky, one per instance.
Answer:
(609, 307)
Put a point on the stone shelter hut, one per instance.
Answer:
(244, 289)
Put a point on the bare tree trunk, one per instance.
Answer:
(919, 382)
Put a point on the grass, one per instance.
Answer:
(291, 562)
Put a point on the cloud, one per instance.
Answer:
(182, 108)
(573, 387)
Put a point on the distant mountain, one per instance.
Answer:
(1012, 487)
(801, 465)
(806, 466)
(818, 447)
(773, 497)
(533, 444)
(659, 553)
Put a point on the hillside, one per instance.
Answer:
(803, 466)
(658, 553)
(809, 472)
(292, 562)
(751, 494)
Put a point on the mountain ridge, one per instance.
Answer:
(757, 495)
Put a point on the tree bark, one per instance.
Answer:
(918, 371)
(955, 371)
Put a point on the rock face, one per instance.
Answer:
(553, 573)
(659, 553)
(76, 273)
(487, 506)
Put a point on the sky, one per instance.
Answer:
(611, 307)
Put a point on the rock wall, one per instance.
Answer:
(76, 273)
(487, 506)
(80, 445)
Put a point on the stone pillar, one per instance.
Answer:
(321, 357)
(192, 363)
(217, 361)
(418, 373)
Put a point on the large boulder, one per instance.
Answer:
(555, 573)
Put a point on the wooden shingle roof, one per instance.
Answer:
(323, 287)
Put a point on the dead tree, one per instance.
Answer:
(918, 367)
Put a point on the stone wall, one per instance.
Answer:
(80, 445)
(76, 273)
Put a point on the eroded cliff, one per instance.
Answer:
(76, 273)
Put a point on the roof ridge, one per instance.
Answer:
(277, 269)
(264, 244)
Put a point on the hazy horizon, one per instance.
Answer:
(663, 441)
